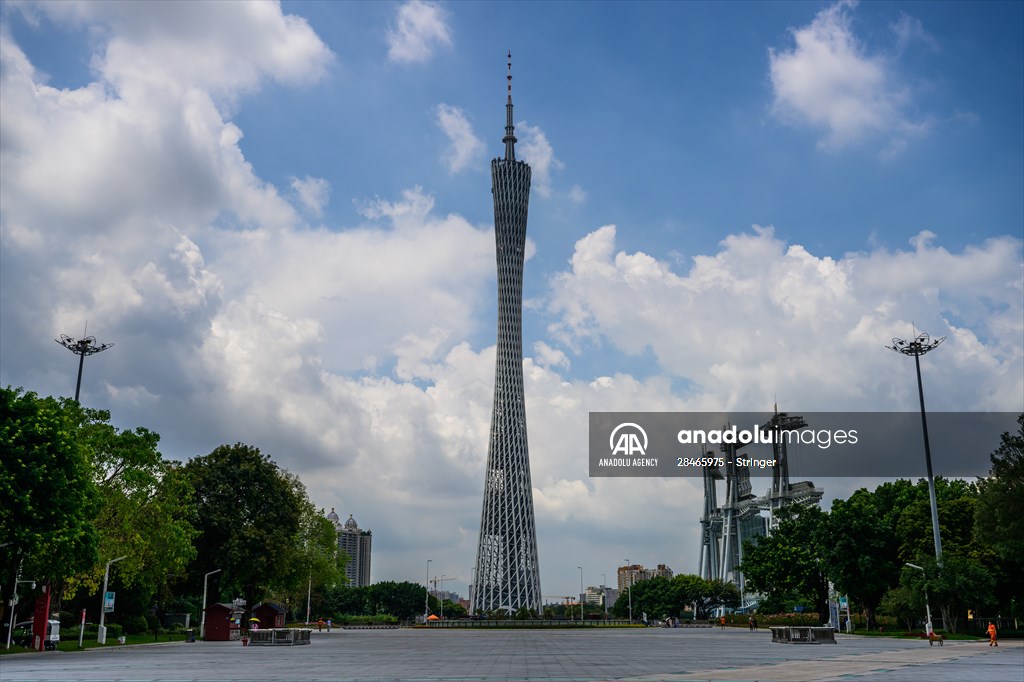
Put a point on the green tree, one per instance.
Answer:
(792, 558)
(48, 497)
(900, 602)
(860, 551)
(657, 597)
(999, 516)
(454, 609)
(345, 600)
(248, 514)
(959, 584)
(146, 510)
(402, 600)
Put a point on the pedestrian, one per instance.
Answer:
(750, 623)
(755, 624)
(329, 625)
(992, 641)
(320, 625)
(721, 622)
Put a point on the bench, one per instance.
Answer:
(279, 637)
(802, 634)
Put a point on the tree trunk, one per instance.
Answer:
(949, 618)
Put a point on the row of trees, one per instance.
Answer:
(79, 492)
(864, 543)
(682, 596)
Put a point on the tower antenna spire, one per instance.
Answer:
(510, 131)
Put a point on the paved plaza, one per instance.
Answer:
(640, 655)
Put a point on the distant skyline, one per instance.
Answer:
(280, 214)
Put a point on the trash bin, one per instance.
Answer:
(190, 635)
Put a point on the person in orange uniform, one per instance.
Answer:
(992, 641)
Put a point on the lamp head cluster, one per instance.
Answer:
(919, 346)
(84, 346)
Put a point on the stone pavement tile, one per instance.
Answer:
(543, 656)
(957, 661)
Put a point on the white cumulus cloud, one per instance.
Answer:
(830, 81)
(313, 193)
(535, 149)
(464, 147)
(421, 29)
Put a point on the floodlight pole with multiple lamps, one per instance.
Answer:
(81, 348)
(918, 347)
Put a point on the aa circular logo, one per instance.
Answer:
(628, 439)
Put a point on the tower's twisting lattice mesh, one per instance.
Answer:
(507, 576)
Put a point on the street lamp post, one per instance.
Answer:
(604, 594)
(14, 599)
(927, 609)
(426, 598)
(918, 347)
(202, 623)
(309, 597)
(581, 592)
(629, 590)
(101, 632)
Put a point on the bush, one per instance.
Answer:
(113, 630)
(135, 625)
(67, 619)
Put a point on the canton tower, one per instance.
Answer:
(507, 576)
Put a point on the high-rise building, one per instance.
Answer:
(357, 544)
(507, 576)
(634, 573)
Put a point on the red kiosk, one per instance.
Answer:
(223, 622)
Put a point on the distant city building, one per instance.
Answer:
(453, 597)
(634, 573)
(357, 544)
(600, 595)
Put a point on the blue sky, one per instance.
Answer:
(284, 219)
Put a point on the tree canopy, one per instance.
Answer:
(49, 498)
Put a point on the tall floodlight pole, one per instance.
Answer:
(81, 348)
(918, 347)
(202, 623)
(101, 633)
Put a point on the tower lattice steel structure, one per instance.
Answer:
(507, 575)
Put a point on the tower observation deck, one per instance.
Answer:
(507, 576)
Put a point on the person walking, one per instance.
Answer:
(320, 625)
(329, 623)
(992, 640)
